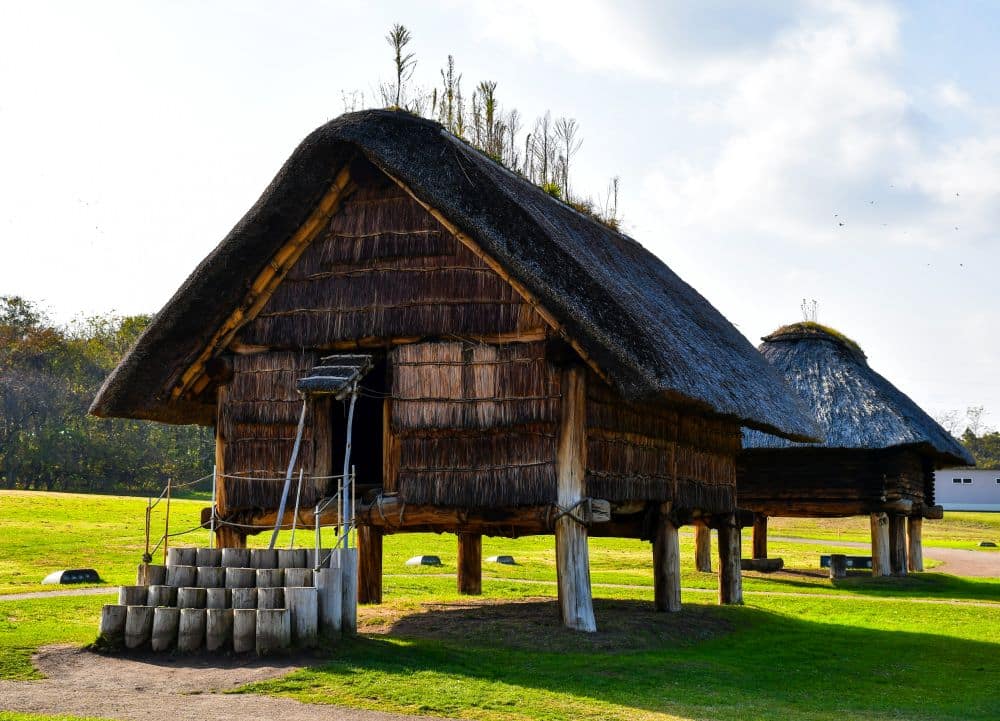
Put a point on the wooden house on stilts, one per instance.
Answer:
(878, 457)
(526, 360)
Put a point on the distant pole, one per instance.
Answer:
(295, 516)
(288, 474)
(348, 485)
(166, 524)
(211, 522)
(146, 558)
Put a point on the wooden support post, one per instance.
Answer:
(838, 566)
(897, 544)
(759, 535)
(470, 563)
(225, 536)
(666, 564)
(572, 554)
(880, 545)
(730, 577)
(702, 547)
(369, 564)
(914, 532)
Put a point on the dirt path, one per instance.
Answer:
(154, 688)
(956, 561)
(98, 591)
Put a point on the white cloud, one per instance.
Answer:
(952, 96)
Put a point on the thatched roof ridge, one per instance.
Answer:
(651, 333)
(855, 407)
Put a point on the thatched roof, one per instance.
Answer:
(855, 407)
(650, 332)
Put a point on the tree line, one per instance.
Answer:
(543, 153)
(49, 374)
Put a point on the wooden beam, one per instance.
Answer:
(880, 545)
(702, 547)
(897, 544)
(824, 508)
(470, 563)
(369, 564)
(264, 285)
(914, 534)
(759, 536)
(572, 553)
(391, 515)
(730, 577)
(666, 564)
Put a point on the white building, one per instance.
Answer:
(967, 489)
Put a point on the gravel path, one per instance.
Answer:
(154, 688)
(956, 561)
(100, 590)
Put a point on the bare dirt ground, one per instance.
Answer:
(154, 688)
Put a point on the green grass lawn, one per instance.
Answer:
(802, 647)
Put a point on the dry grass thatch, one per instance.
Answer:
(383, 268)
(855, 407)
(651, 333)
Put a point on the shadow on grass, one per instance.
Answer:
(916, 585)
(705, 662)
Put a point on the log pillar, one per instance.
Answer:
(730, 577)
(838, 566)
(470, 563)
(759, 535)
(666, 564)
(897, 544)
(225, 536)
(880, 545)
(702, 547)
(369, 564)
(572, 554)
(914, 533)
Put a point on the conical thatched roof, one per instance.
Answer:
(855, 407)
(650, 332)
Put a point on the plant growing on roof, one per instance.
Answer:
(405, 63)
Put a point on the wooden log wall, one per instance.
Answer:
(831, 482)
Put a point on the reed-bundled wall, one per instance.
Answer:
(474, 424)
(648, 451)
(258, 418)
(385, 268)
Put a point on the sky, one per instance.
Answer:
(769, 152)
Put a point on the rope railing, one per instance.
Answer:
(214, 522)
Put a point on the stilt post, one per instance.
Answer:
(897, 544)
(880, 545)
(470, 563)
(702, 547)
(369, 564)
(666, 563)
(914, 533)
(572, 554)
(759, 535)
(730, 578)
